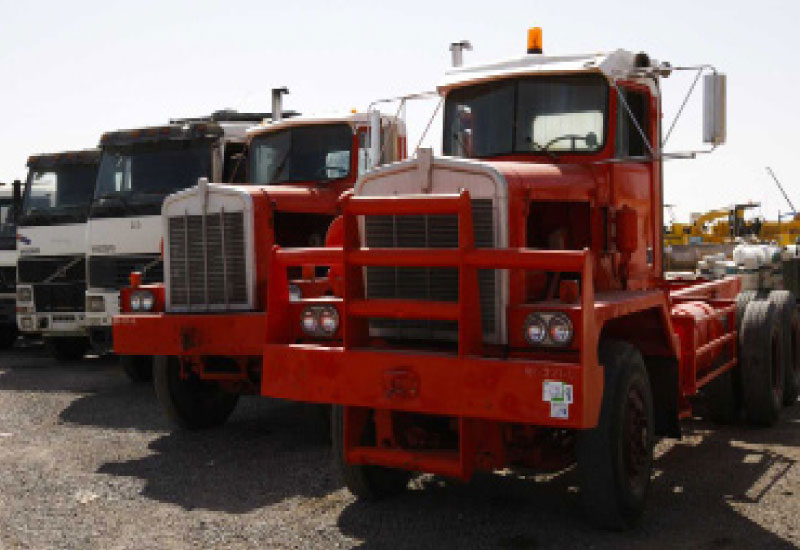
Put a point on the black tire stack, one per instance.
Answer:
(767, 377)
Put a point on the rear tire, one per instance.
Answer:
(67, 348)
(138, 368)
(364, 482)
(190, 402)
(760, 349)
(8, 336)
(615, 459)
(786, 303)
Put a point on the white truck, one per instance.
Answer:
(51, 241)
(9, 205)
(138, 169)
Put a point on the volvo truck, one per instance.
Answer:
(9, 206)
(51, 233)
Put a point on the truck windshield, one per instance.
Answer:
(309, 153)
(8, 230)
(58, 195)
(553, 114)
(134, 180)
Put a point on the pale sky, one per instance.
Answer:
(72, 70)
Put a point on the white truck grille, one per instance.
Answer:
(207, 262)
(434, 284)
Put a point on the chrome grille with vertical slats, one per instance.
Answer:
(207, 262)
(435, 284)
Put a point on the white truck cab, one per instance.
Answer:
(51, 241)
(9, 205)
(138, 169)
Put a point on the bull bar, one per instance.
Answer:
(354, 370)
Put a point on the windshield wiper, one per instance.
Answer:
(545, 150)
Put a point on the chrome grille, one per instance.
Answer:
(207, 262)
(435, 284)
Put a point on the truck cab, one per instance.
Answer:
(51, 233)
(139, 168)
(205, 324)
(9, 207)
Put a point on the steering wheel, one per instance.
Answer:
(590, 139)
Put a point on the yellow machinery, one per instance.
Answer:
(714, 227)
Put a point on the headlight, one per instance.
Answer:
(95, 304)
(535, 329)
(320, 321)
(295, 294)
(544, 328)
(309, 321)
(24, 294)
(560, 329)
(27, 323)
(142, 300)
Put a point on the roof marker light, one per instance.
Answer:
(535, 40)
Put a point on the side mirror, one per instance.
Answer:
(17, 199)
(714, 108)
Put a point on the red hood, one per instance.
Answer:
(564, 182)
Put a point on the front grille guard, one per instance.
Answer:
(356, 310)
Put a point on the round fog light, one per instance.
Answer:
(328, 320)
(535, 329)
(142, 300)
(560, 329)
(309, 321)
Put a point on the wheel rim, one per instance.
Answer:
(636, 437)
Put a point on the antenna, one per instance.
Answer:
(785, 196)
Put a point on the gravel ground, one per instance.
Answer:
(87, 461)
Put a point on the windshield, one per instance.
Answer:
(8, 230)
(557, 114)
(58, 195)
(135, 180)
(310, 153)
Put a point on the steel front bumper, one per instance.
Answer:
(230, 334)
(507, 390)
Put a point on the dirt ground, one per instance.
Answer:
(87, 461)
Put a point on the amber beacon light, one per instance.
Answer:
(535, 40)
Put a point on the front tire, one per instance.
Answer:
(189, 402)
(364, 482)
(8, 336)
(760, 348)
(67, 348)
(138, 368)
(615, 459)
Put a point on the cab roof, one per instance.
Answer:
(227, 124)
(353, 119)
(616, 65)
(65, 158)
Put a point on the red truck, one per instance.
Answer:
(505, 306)
(206, 323)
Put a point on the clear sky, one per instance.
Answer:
(71, 70)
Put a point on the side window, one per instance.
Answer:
(234, 169)
(629, 140)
